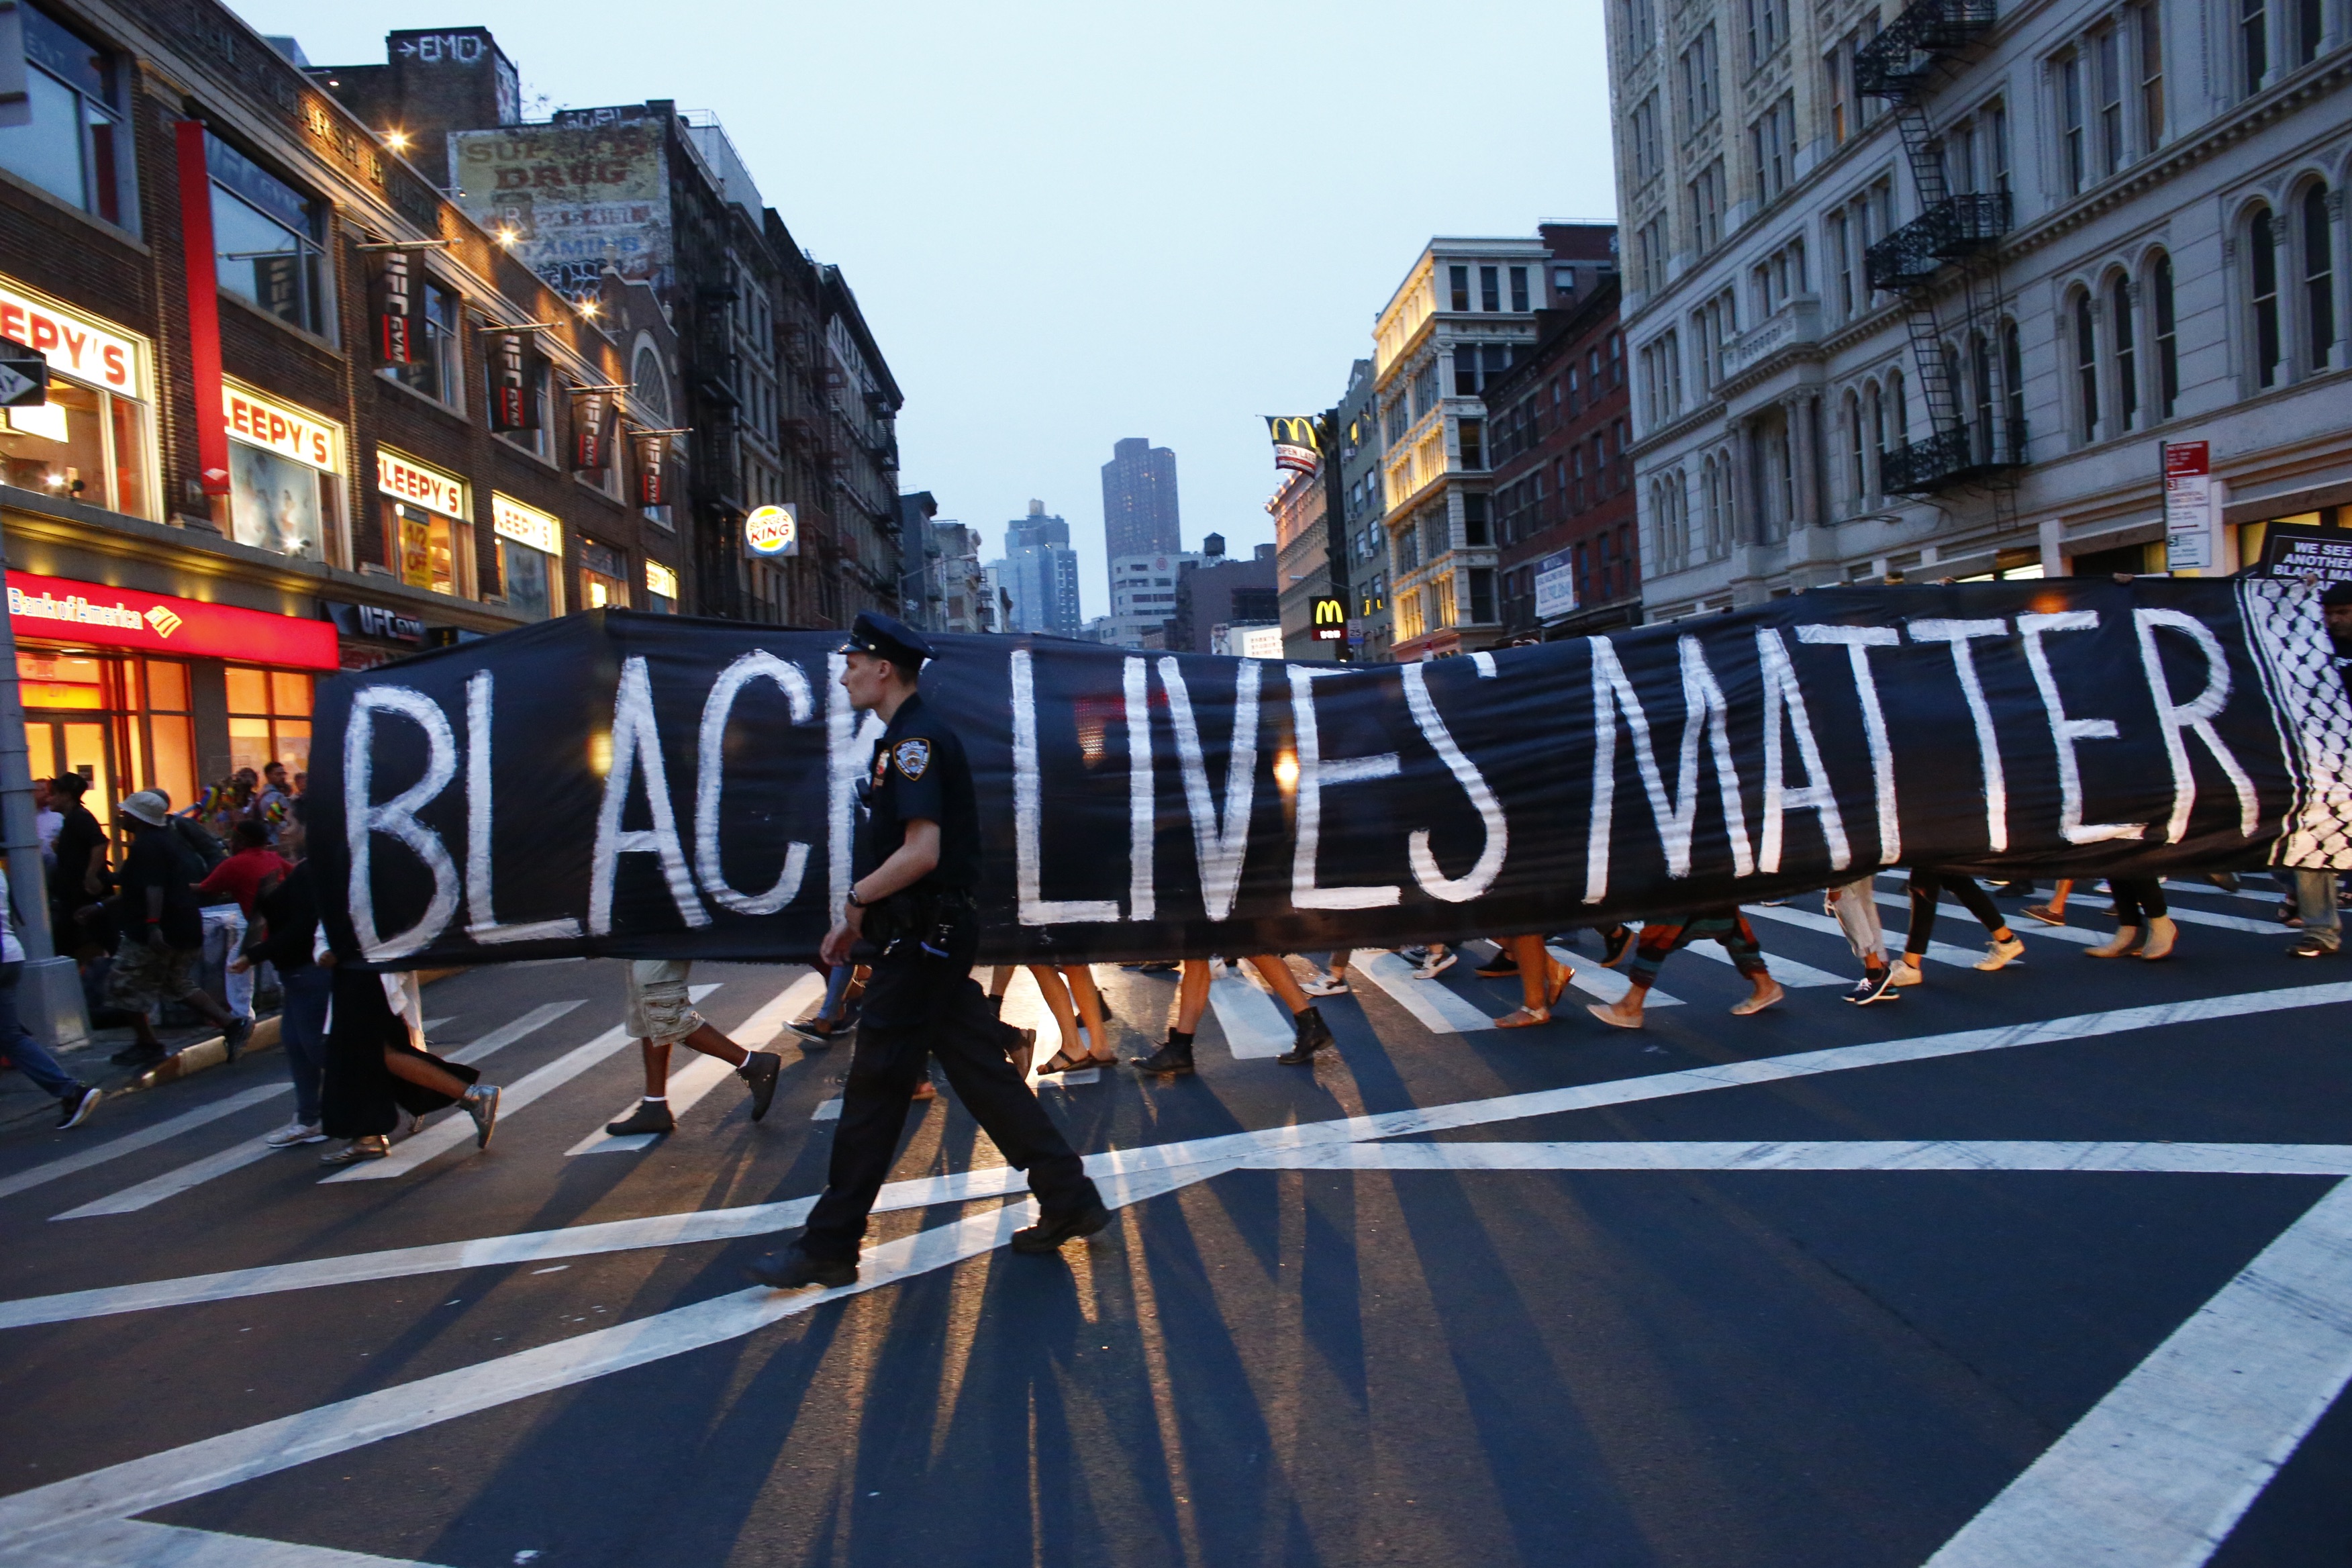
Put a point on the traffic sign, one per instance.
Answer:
(24, 375)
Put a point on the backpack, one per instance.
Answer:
(199, 841)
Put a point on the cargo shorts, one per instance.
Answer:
(660, 1007)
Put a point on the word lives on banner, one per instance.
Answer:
(653, 786)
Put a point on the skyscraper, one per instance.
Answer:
(1139, 500)
(1041, 572)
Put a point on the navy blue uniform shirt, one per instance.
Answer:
(919, 773)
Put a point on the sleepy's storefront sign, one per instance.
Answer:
(58, 610)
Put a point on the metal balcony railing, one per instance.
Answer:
(1951, 456)
(1954, 228)
(1900, 60)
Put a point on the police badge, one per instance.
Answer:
(913, 756)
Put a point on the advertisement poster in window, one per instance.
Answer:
(282, 462)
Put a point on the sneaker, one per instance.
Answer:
(481, 1104)
(760, 1072)
(374, 1146)
(2047, 914)
(1877, 986)
(1313, 1035)
(294, 1132)
(818, 1032)
(75, 1106)
(1048, 1234)
(791, 1270)
(1435, 963)
(1323, 985)
(1416, 956)
(1999, 955)
(650, 1116)
(1502, 966)
(1907, 974)
(2309, 945)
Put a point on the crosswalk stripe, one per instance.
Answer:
(235, 1157)
(695, 1226)
(143, 1544)
(1805, 919)
(1441, 1009)
(145, 1138)
(690, 1083)
(1255, 1025)
(2120, 1158)
(454, 1127)
(1603, 983)
(1789, 972)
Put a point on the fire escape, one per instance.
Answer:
(1946, 266)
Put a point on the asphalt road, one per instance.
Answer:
(2041, 1267)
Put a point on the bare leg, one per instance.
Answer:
(1536, 972)
(1081, 979)
(1192, 996)
(711, 1043)
(1280, 980)
(409, 1067)
(657, 1060)
(1056, 992)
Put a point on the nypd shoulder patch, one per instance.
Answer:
(913, 757)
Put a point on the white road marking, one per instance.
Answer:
(1805, 919)
(1603, 983)
(2270, 893)
(1440, 1009)
(2074, 935)
(140, 1544)
(830, 1110)
(454, 1127)
(1254, 1024)
(707, 1224)
(145, 1138)
(194, 1469)
(235, 1157)
(690, 1081)
(1788, 971)
(2161, 1470)
(1081, 1076)
(1937, 1155)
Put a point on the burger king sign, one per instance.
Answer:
(771, 531)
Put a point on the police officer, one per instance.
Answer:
(913, 907)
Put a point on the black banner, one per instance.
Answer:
(512, 406)
(396, 308)
(648, 785)
(651, 450)
(592, 409)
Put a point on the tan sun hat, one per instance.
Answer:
(152, 806)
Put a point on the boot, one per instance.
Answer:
(1173, 1059)
(2125, 939)
(2161, 935)
(1312, 1035)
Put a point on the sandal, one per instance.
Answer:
(1524, 1018)
(1063, 1061)
(1560, 975)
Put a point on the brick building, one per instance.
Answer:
(1563, 489)
(278, 354)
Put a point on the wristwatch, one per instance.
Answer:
(855, 901)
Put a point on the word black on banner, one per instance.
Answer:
(653, 786)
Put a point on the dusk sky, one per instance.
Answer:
(1067, 224)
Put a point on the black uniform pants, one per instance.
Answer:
(922, 1004)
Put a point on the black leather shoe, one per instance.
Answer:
(650, 1116)
(1499, 967)
(759, 1070)
(1170, 1060)
(1048, 1234)
(791, 1269)
(1313, 1035)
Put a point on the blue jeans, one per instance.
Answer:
(31, 1056)
(2315, 900)
(302, 1030)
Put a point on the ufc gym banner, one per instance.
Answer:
(648, 785)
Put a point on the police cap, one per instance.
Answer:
(886, 638)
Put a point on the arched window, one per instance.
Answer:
(1857, 481)
(2167, 338)
(2119, 306)
(651, 386)
(2012, 381)
(1877, 438)
(1898, 415)
(2318, 278)
(2086, 369)
(2261, 245)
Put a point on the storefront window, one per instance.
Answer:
(284, 494)
(268, 717)
(438, 369)
(89, 441)
(71, 140)
(661, 588)
(530, 555)
(267, 238)
(120, 721)
(604, 576)
(430, 550)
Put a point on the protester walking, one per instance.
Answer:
(1926, 885)
(283, 933)
(76, 1100)
(1662, 937)
(2141, 920)
(1174, 1056)
(1854, 906)
(161, 933)
(661, 1014)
